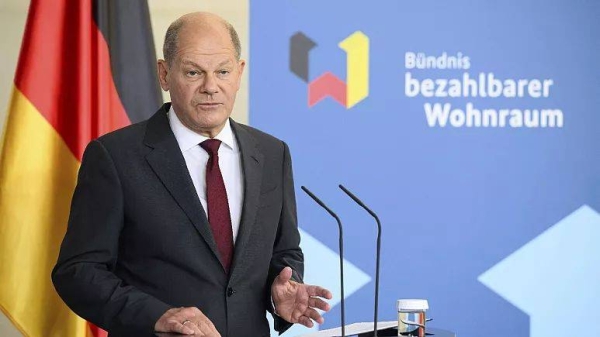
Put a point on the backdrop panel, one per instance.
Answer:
(470, 126)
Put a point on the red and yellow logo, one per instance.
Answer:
(349, 93)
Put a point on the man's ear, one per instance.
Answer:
(163, 74)
(241, 66)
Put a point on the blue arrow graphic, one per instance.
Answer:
(555, 278)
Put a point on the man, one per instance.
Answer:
(186, 222)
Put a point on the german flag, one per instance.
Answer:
(86, 68)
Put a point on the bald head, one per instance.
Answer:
(198, 22)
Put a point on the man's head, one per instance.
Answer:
(201, 70)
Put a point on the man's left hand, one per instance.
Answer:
(296, 302)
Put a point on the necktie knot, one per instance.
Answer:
(211, 146)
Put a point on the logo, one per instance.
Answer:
(349, 93)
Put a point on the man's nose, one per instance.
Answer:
(209, 86)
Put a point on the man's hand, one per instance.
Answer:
(187, 321)
(296, 302)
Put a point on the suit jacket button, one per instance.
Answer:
(230, 292)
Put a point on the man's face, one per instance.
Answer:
(203, 78)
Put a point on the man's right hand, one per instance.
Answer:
(187, 321)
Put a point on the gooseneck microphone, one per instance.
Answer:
(378, 254)
(341, 244)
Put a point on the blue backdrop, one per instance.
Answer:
(495, 225)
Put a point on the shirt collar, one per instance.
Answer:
(188, 139)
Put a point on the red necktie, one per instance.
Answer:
(218, 207)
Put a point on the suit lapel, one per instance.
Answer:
(252, 164)
(169, 165)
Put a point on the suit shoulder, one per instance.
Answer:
(131, 134)
(261, 136)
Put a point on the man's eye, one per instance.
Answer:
(193, 73)
(223, 72)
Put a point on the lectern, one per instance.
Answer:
(365, 329)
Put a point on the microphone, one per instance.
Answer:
(378, 254)
(341, 244)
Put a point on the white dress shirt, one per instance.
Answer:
(229, 162)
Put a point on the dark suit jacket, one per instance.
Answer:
(139, 242)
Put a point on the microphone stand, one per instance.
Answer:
(341, 246)
(378, 252)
